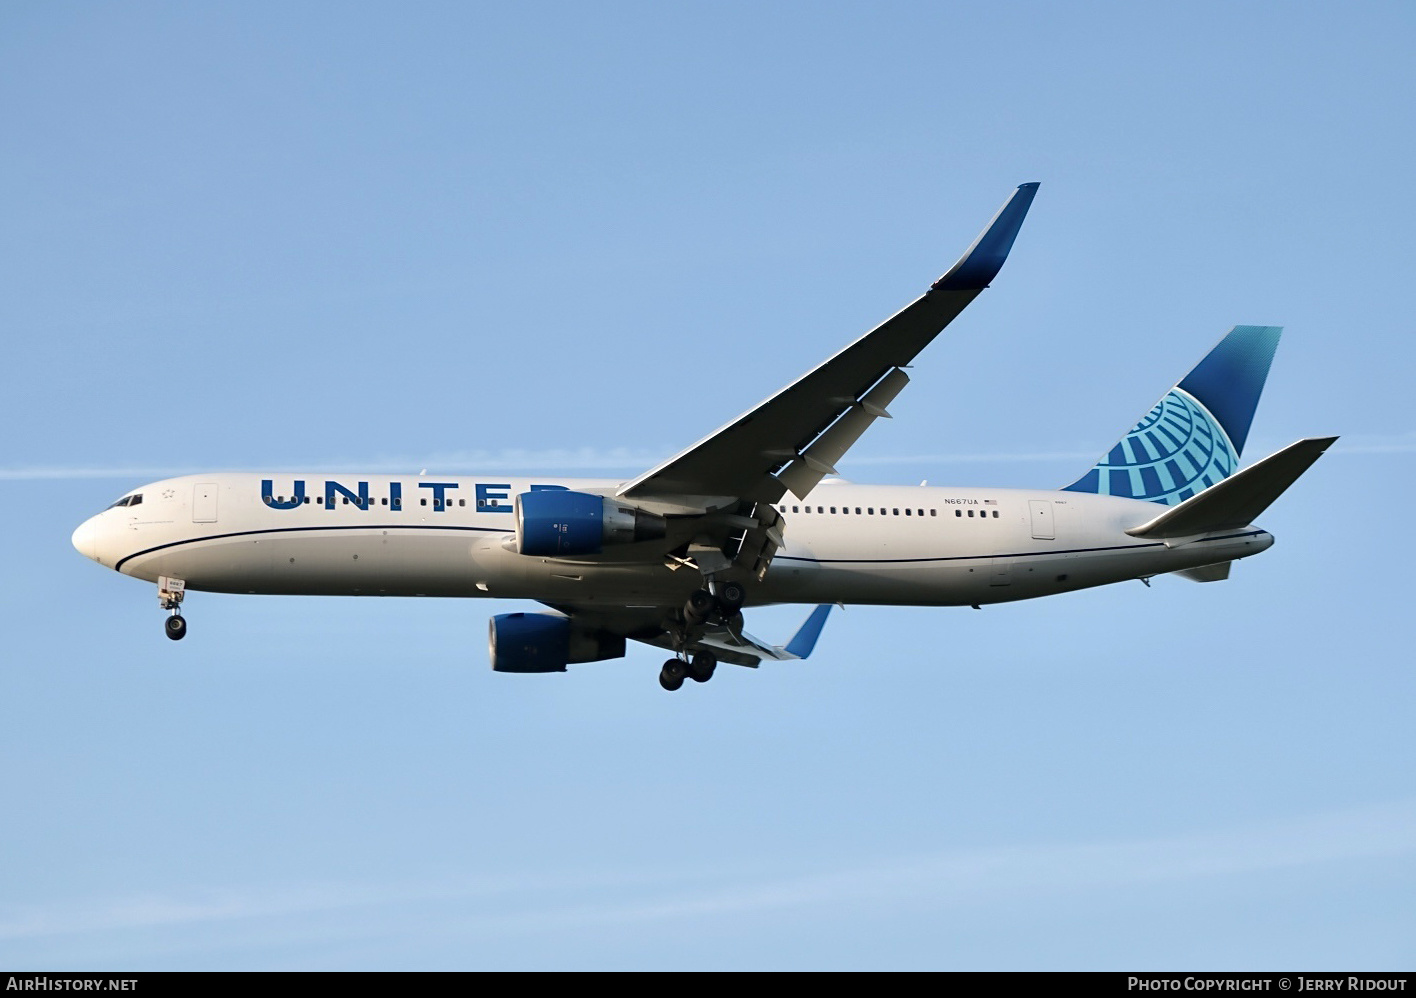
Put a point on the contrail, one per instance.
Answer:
(627, 460)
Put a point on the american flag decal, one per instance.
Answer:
(990, 502)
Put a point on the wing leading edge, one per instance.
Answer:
(793, 439)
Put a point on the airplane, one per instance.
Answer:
(752, 514)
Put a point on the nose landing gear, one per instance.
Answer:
(170, 593)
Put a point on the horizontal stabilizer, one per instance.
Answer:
(1207, 573)
(1239, 499)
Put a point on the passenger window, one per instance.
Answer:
(422, 502)
(970, 512)
(833, 509)
(908, 512)
(462, 502)
(870, 511)
(995, 514)
(896, 512)
(796, 509)
(934, 512)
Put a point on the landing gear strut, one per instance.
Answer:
(170, 593)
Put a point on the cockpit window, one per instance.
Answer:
(132, 500)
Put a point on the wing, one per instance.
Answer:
(794, 439)
(717, 495)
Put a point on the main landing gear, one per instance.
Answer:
(726, 601)
(671, 675)
(700, 669)
(170, 593)
(723, 604)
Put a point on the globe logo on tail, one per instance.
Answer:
(1177, 450)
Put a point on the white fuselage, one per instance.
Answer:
(381, 535)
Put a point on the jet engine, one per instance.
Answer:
(559, 523)
(546, 642)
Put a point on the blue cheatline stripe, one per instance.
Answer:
(781, 557)
(1015, 554)
(118, 567)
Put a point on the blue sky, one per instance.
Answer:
(562, 237)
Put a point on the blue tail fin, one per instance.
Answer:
(1195, 434)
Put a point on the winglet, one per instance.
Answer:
(981, 262)
(804, 640)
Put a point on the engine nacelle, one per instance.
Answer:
(559, 523)
(546, 642)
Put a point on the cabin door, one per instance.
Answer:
(1040, 512)
(204, 502)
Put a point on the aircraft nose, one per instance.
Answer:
(86, 538)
